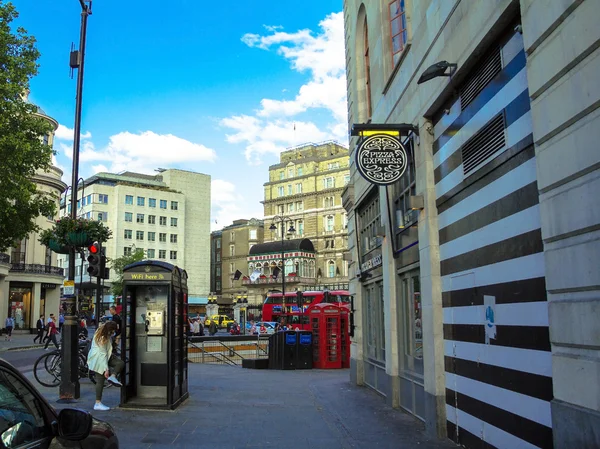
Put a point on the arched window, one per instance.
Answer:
(367, 63)
(331, 269)
(312, 269)
(305, 271)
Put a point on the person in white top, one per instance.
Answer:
(101, 359)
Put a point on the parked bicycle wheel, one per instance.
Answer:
(46, 370)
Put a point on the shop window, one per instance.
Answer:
(375, 321)
(411, 296)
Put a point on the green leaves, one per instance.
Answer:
(118, 265)
(23, 154)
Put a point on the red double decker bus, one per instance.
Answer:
(275, 307)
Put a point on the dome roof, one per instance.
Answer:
(288, 245)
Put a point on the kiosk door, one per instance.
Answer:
(150, 343)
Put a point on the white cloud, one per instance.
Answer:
(271, 129)
(229, 205)
(65, 133)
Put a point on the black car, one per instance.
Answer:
(28, 421)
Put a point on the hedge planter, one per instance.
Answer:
(78, 239)
(57, 247)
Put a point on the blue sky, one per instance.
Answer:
(195, 85)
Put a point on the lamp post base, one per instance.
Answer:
(69, 382)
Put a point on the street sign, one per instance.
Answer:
(68, 288)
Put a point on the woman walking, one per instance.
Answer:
(100, 359)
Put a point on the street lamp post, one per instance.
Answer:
(281, 220)
(69, 383)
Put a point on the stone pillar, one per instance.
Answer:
(34, 313)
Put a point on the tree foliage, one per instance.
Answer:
(22, 151)
(118, 264)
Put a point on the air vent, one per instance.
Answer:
(487, 141)
(483, 73)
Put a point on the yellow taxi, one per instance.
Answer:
(223, 321)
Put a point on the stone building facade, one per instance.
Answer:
(30, 277)
(304, 190)
(475, 292)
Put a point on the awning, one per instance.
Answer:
(198, 300)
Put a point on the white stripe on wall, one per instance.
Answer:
(491, 434)
(527, 267)
(526, 360)
(519, 404)
(515, 179)
(515, 314)
(516, 132)
(511, 226)
(498, 102)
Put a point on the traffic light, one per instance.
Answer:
(299, 299)
(95, 260)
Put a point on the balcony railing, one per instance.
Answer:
(288, 280)
(35, 268)
(4, 258)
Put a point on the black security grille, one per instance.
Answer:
(487, 141)
(481, 76)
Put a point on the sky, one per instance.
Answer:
(194, 85)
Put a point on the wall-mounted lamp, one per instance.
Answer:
(442, 68)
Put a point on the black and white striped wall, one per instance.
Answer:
(495, 317)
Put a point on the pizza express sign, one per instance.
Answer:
(381, 159)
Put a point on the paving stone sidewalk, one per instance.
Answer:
(231, 407)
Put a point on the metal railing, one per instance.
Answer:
(35, 268)
(227, 350)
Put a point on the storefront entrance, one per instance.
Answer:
(410, 344)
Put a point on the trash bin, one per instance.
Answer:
(288, 350)
(273, 359)
(304, 355)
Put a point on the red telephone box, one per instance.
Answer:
(331, 341)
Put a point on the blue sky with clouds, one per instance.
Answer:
(196, 85)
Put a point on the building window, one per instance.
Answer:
(411, 298)
(162, 253)
(84, 201)
(128, 234)
(218, 285)
(299, 188)
(398, 29)
(329, 202)
(369, 222)
(346, 180)
(174, 205)
(375, 321)
(331, 269)
(173, 255)
(139, 218)
(139, 235)
(329, 182)
(290, 207)
(290, 191)
(102, 216)
(163, 204)
(345, 220)
(281, 174)
(162, 237)
(329, 221)
(151, 202)
(231, 250)
(280, 191)
(299, 171)
(367, 65)
(333, 165)
(127, 251)
(290, 172)
(151, 219)
(162, 221)
(128, 199)
(218, 243)
(141, 201)
(253, 234)
(46, 139)
(174, 222)
(280, 209)
(151, 236)
(218, 257)
(218, 271)
(300, 227)
(150, 254)
(404, 217)
(103, 199)
(299, 206)
(231, 267)
(128, 216)
(173, 238)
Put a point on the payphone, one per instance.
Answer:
(155, 344)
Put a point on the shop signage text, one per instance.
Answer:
(381, 159)
(147, 276)
(373, 262)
